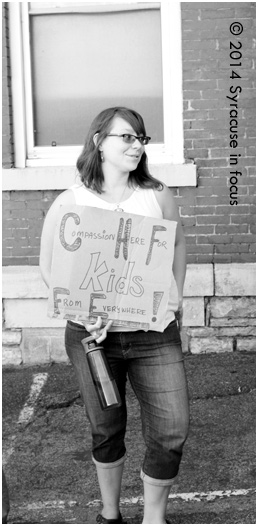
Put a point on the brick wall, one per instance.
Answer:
(7, 134)
(23, 217)
(216, 231)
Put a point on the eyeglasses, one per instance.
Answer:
(130, 139)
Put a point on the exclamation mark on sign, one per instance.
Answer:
(157, 297)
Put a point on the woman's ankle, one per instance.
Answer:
(110, 512)
(153, 520)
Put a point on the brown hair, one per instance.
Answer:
(89, 162)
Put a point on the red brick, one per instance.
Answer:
(14, 205)
(213, 200)
(248, 238)
(192, 54)
(203, 124)
(188, 222)
(242, 209)
(213, 239)
(222, 258)
(189, 13)
(239, 209)
(198, 44)
(187, 210)
(229, 248)
(195, 114)
(191, 94)
(231, 229)
(205, 210)
(238, 219)
(245, 12)
(193, 231)
(204, 258)
(191, 259)
(191, 134)
(205, 104)
(190, 240)
(217, 14)
(212, 74)
(245, 258)
(20, 243)
(27, 214)
(212, 93)
(212, 220)
(212, 183)
(26, 195)
(204, 249)
(213, 163)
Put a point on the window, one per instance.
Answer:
(83, 62)
(71, 60)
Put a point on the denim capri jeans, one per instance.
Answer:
(153, 362)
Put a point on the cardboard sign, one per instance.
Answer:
(114, 265)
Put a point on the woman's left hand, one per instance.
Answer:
(96, 329)
(179, 315)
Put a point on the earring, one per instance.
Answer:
(101, 156)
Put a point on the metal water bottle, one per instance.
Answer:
(101, 374)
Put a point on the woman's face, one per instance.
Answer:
(117, 154)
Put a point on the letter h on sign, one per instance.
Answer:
(125, 239)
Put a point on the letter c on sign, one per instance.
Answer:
(77, 243)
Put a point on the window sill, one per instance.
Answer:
(61, 177)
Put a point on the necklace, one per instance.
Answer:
(118, 208)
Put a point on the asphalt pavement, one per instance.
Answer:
(47, 447)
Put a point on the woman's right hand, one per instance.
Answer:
(179, 317)
(96, 329)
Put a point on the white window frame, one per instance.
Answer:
(162, 157)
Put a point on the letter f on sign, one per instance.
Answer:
(153, 240)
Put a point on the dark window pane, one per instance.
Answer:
(83, 63)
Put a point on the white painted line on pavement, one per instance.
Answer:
(49, 504)
(188, 497)
(26, 413)
(197, 497)
(38, 383)
(211, 495)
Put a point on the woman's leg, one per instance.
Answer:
(110, 487)
(155, 503)
(158, 378)
(108, 426)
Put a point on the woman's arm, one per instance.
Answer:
(170, 211)
(48, 233)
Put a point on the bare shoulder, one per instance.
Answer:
(167, 203)
(65, 198)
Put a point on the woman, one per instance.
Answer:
(114, 176)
